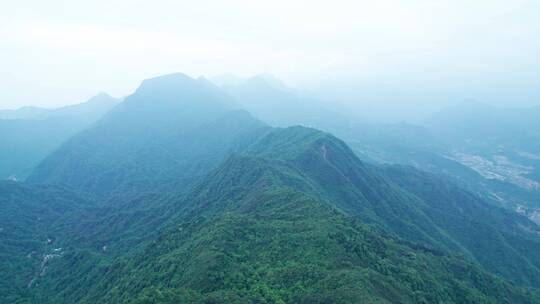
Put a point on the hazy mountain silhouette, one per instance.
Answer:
(29, 134)
(171, 126)
(268, 99)
(91, 109)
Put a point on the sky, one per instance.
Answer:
(58, 52)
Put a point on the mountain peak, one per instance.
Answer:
(101, 98)
(166, 82)
(291, 142)
(180, 91)
(267, 80)
(101, 95)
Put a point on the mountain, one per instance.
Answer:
(188, 199)
(28, 135)
(170, 131)
(330, 169)
(295, 217)
(490, 151)
(268, 99)
(92, 109)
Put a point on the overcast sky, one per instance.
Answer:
(61, 52)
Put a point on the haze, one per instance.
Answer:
(283, 152)
(415, 55)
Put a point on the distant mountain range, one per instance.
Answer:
(488, 127)
(89, 110)
(180, 195)
(29, 134)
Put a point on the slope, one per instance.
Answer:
(284, 220)
(330, 170)
(28, 240)
(171, 131)
(246, 235)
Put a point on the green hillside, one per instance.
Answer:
(28, 215)
(296, 217)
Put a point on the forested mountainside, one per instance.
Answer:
(258, 219)
(27, 237)
(30, 134)
(176, 196)
(250, 237)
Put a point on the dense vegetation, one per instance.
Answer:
(26, 234)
